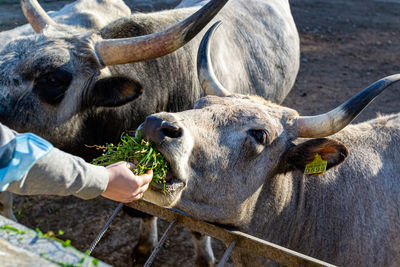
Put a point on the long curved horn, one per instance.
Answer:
(205, 71)
(127, 50)
(333, 121)
(35, 15)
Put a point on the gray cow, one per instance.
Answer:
(85, 13)
(73, 87)
(78, 87)
(239, 160)
(89, 14)
(62, 83)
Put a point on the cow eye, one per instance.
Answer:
(51, 87)
(260, 136)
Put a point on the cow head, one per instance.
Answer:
(51, 79)
(229, 148)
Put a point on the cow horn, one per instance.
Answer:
(333, 121)
(35, 15)
(205, 71)
(127, 50)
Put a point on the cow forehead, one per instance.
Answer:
(28, 61)
(51, 38)
(244, 107)
(43, 52)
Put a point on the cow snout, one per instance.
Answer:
(157, 130)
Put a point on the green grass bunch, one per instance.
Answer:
(138, 151)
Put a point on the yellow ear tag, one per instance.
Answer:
(317, 166)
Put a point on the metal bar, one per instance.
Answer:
(244, 241)
(227, 254)
(159, 245)
(104, 229)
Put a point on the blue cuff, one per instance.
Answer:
(28, 149)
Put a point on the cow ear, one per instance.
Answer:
(334, 152)
(114, 92)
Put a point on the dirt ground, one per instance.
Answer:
(345, 44)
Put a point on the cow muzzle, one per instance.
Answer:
(164, 134)
(157, 130)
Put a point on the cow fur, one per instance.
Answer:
(87, 14)
(349, 216)
(99, 104)
(267, 63)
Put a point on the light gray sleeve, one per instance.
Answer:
(60, 173)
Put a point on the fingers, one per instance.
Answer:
(133, 198)
(123, 185)
(115, 164)
(144, 188)
(130, 165)
(138, 197)
(146, 178)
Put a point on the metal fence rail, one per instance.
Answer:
(233, 239)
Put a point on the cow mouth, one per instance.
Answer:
(172, 184)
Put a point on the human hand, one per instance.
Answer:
(123, 185)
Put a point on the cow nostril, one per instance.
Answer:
(171, 130)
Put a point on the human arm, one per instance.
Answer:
(58, 173)
(62, 174)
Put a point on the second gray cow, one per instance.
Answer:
(239, 160)
(88, 14)
(77, 86)
(74, 86)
